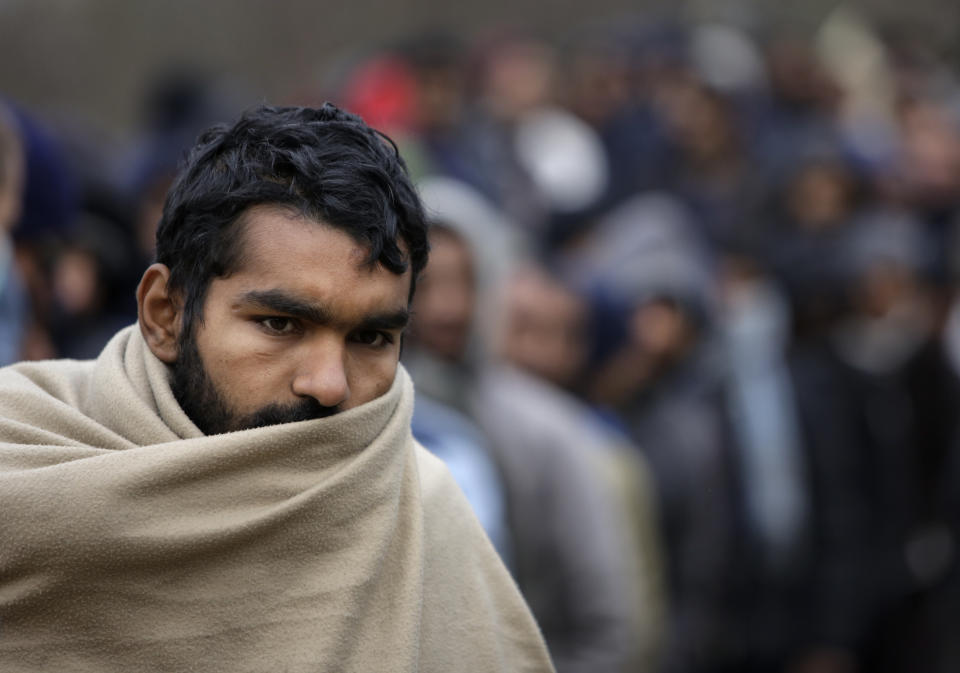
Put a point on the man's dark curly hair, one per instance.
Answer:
(324, 164)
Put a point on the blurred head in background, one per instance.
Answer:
(517, 74)
(545, 327)
(445, 300)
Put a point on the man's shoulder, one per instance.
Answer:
(41, 403)
(51, 381)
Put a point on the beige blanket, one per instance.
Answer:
(131, 542)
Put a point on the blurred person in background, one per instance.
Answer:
(605, 85)
(13, 300)
(545, 327)
(545, 333)
(773, 480)
(568, 557)
(443, 108)
(86, 272)
(514, 77)
(712, 170)
(661, 380)
(926, 176)
(177, 105)
(805, 226)
(91, 296)
(701, 381)
(945, 606)
(443, 327)
(462, 446)
(543, 165)
(801, 108)
(48, 212)
(875, 396)
(489, 118)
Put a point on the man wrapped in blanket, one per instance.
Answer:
(232, 485)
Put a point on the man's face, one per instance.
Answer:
(302, 329)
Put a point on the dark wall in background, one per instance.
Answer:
(90, 59)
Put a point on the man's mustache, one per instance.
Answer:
(306, 409)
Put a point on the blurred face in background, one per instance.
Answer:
(597, 83)
(820, 196)
(700, 122)
(661, 330)
(797, 77)
(518, 77)
(446, 292)
(931, 152)
(77, 282)
(545, 330)
(440, 104)
(660, 334)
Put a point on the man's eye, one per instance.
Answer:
(279, 325)
(372, 338)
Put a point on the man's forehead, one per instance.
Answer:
(254, 224)
(280, 248)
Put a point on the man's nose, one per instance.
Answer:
(324, 376)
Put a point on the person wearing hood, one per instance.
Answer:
(567, 555)
(877, 399)
(662, 381)
(731, 495)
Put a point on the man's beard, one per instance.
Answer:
(208, 409)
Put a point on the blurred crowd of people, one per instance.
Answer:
(689, 338)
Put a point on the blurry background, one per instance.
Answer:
(690, 335)
(93, 59)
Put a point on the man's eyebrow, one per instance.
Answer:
(388, 321)
(282, 302)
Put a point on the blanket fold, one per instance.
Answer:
(130, 541)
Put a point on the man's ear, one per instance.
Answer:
(159, 313)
